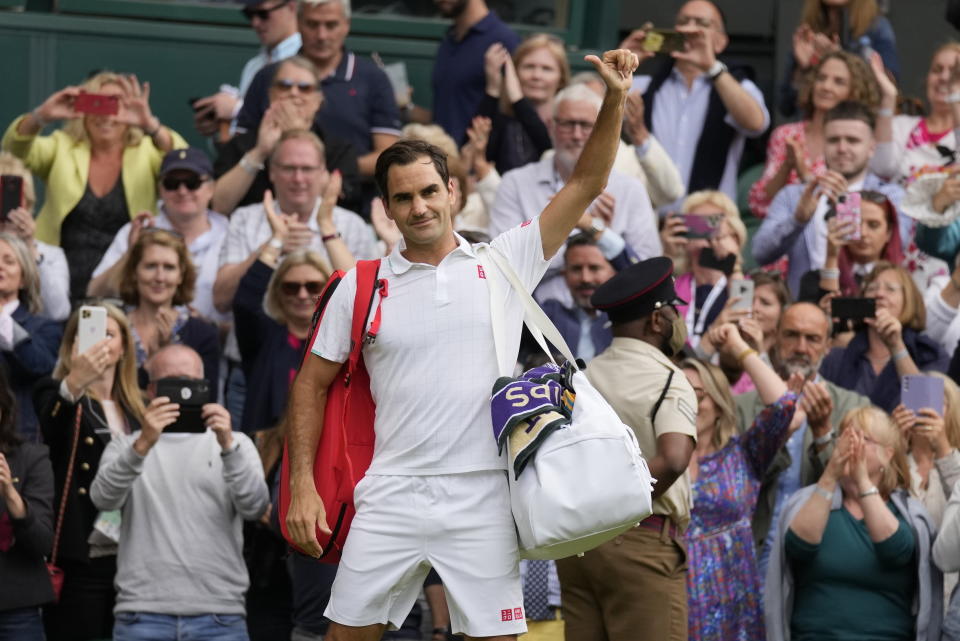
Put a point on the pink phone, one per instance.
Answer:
(97, 104)
(848, 210)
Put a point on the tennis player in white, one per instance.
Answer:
(436, 493)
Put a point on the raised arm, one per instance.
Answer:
(593, 168)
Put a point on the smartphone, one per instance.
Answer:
(743, 289)
(97, 104)
(918, 391)
(92, 327)
(701, 226)
(664, 41)
(851, 313)
(848, 211)
(708, 258)
(11, 194)
(211, 113)
(191, 394)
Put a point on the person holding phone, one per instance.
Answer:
(852, 557)
(705, 285)
(174, 580)
(51, 261)
(100, 169)
(102, 382)
(795, 152)
(26, 526)
(156, 283)
(28, 341)
(892, 344)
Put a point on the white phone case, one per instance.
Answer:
(92, 327)
(743, 289)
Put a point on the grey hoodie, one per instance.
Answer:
(927, 603)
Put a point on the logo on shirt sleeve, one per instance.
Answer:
(480, 272)
(526, 222)
(511, 614)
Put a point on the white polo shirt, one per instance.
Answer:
(433, 364)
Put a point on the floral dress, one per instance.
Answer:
(723, 583)
(776, 156)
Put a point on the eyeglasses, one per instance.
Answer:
(172, 183)
(292, 169)
(286, 86)
(293, 287)
(888, 288)
(263, 14)
(570, 125)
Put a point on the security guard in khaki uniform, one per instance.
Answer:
(634, 587)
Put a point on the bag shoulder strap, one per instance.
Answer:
(67, 482)
(367, 287)
(535, 318)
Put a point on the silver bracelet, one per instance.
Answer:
(903, 353)
(824, 493)
(36, 116)
(829, 274)
(885, 112)
(825, 439)
(249, 166)
(151, 134)
(873, 490)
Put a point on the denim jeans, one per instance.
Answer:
(21, 624)
(144, 626)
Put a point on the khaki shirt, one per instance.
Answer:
(631, 375)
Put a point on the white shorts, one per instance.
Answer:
(460, 524)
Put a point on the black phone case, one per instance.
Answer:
(191, 395)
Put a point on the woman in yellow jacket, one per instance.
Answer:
(100, 169)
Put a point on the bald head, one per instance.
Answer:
(801, 340)
(174, 360)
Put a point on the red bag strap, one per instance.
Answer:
(66, 483)
(367, 287)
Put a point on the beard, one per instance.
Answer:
(454, 9)
(796, 364)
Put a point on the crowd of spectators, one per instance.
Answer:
(823, 506)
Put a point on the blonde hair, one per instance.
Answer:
(29, 293)
(125, 389)
(718, 389)
(10, 164)
(75, 127)
(914, 313)
(951, 408)
(862, 14)
(273, 298)
(301, 134)
(722, 202)
(127, 276)
(433, 134)
(877, 424)
(552, 44)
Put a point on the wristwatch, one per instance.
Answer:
(597, 225)
(825, 439)
(715, 70)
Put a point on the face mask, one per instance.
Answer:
(678, 336)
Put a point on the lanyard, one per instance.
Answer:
(695, 331)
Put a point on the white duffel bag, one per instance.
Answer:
(587, 482)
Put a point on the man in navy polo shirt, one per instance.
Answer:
(359, 104)
(458, 80)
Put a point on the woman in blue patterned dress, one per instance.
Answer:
(723, 583)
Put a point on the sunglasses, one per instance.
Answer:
(172, 183)
(287, 86)
(263, 14)
(292, 287)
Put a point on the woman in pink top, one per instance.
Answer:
(795, 150)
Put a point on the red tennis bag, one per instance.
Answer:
(345, 447)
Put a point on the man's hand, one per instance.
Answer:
(699, 48)
(160, 413)
(633, 122)
(807, 204)
(818, 405)
(217, 419)
(616, 68)
(304, 516)
(603, 207)
(634, 42)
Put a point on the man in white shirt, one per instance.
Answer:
(186, 186)
(275, 23)
(436, 492)
(621, 217)
(699, 109)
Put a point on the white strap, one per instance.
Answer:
(536, 320)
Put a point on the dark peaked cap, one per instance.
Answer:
(638, 290)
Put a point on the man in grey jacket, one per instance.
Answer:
(802, 341)
(183, 499)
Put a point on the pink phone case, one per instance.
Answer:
(849, 211)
